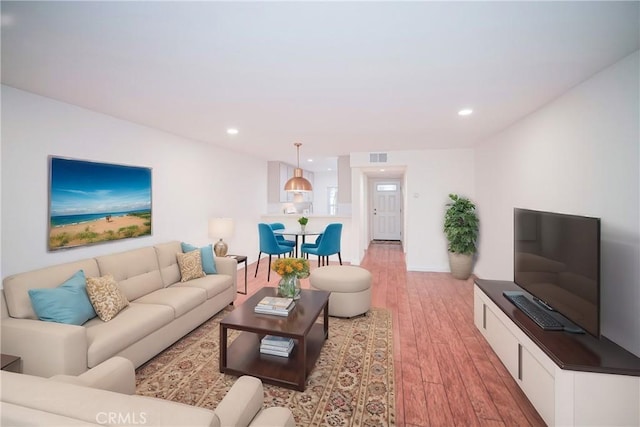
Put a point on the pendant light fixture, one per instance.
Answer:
(298, 183)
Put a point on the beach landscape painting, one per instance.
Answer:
(92, 202)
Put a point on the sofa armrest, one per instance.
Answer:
(46, 348)
(274, 417)
(241, 404)
(115, 374)
(228, 266)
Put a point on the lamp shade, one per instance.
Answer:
(298, 183)
(221, 228)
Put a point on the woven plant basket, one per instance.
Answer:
(461, 265)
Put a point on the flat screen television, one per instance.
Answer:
(557, 261)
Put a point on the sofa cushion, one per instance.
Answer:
(190, 265)
(206, 255)
(95, 406)
(137, 271)
(181, 300)
(130, 326)
(18, 416)
(213, 284)
(168, 261)
(68, 303)
(16, 287)
(106, 297)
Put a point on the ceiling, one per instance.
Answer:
(340, 77)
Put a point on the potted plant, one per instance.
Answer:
(303, 222)
(461, 229)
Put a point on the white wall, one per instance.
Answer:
(321, 182)
(578, 155)
(191, 181)
(430, 176)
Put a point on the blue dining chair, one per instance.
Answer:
(269, 245)
(329, 244)
(311, 245)
(281, 240)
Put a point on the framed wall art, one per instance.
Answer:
(91, 202)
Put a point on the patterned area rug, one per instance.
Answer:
(352, 383)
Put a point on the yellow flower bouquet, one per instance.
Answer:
(291, 270)
(298, 267)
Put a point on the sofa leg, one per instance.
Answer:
(340, 258)
(269, 268)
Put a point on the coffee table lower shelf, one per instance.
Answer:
(244, 358)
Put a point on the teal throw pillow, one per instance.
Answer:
(206, 253)
(68, 303)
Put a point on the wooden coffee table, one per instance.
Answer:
(243, 356)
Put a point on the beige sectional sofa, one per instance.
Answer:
(162, 310)
(101, 396)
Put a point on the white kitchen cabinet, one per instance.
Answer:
(308, 196)
(286, 172)
(273, 182)
(603, 390)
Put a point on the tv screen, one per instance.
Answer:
(557, 260)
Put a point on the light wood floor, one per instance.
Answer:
(446, 373)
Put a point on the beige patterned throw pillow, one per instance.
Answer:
(105, 296)
(190, 264)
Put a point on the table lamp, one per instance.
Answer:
(220, 228)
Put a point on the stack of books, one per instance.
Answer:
(275, 305)
(276, 346)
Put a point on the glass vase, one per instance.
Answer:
(289, 287)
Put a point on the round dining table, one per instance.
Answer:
(297, 233)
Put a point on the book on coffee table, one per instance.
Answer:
(281, 353)
(275, 302)
(275, 305)
(276, 346)
(277, 341)
(283, 313)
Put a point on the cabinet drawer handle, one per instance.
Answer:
(484, 316)
(520, 361)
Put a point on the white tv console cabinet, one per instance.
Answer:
(571, 379)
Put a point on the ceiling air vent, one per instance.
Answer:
(377, 157)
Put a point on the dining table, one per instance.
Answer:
(297, 233)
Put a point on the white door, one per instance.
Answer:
(387, 203)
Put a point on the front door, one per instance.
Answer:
(387, 208)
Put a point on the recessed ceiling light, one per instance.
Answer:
(232, 131)
(465, 112)
(381, 170)
(310, 160)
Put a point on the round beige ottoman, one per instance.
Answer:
(350, 288)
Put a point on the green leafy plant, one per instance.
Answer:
(303, 220)
(461, 225)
